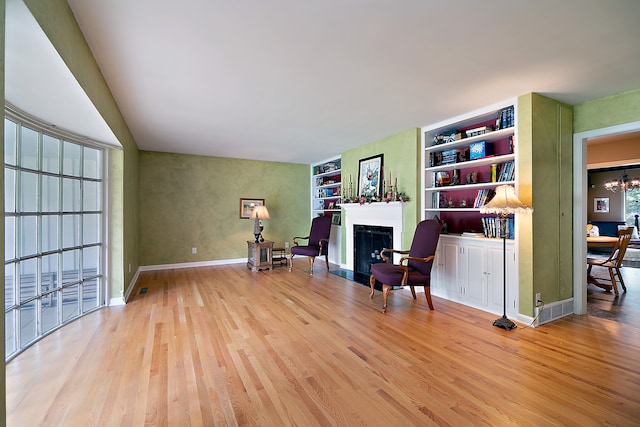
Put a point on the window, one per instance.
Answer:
(631, 205)
(53, 231)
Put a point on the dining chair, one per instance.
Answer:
(413, 269)
(317, 243)
(614, 261)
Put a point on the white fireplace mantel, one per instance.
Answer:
(376, 214)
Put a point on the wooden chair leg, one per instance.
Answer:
(290, 262)
(413, 291)
(624, 288)
(372, 282)
(427, 294)
(613, 282)
(311, 260)
(326, 260)
(385, 296)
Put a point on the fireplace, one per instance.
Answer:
(368, 242)
(381, 215)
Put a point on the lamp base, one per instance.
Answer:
(504, 323)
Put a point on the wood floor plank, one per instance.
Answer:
(220, 345)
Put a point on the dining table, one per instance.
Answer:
(600, 241)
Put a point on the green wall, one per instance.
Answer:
(58, 23)
(545, 181)
(402, 160)
(609, 111)
(194, 201)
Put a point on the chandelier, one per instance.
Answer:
(622, 184)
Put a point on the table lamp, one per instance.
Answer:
(259, 213)
(504, 203)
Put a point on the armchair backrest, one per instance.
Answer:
(320, 229)
(425, 241)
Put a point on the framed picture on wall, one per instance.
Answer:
(247, 205)
(335, 219)
(601, 204)
(370, 176)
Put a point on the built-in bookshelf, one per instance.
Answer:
(464, 160)
(326, 196)
(326, 189)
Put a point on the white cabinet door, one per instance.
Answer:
(437, 271)
(513, 303)
(445, 281)
(495, 282)
(470, 271)
(474, 271)
(335, 245)
(495, 259)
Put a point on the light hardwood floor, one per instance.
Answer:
(216, 346)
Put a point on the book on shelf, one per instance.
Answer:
(506, 118)
(482, 197)
(495, 227)
(507, 172)
(438, 200)
(472, 234)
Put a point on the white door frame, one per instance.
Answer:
(580, 208)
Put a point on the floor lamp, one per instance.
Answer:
(504, 203)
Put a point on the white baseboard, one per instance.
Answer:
(132, 285)
(191, 264)
(116, 301)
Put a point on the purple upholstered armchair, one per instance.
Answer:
(414, 269)
(317, 245)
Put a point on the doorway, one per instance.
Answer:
(580, 202)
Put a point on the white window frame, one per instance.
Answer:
(25, 120)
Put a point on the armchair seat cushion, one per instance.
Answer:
(392, 274)
(305, 250)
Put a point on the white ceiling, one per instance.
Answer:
(38, 82)
(300, 81)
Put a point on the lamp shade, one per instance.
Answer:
(260, 212)
(505, 202)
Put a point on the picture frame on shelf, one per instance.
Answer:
(247, 205)
(370, 175)
(335, 219)
(332, 205)
(601, 204)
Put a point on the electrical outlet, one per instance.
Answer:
(194, 251)
(538, 299)
(286, 245)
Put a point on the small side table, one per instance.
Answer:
(279, 256)
(259, 255)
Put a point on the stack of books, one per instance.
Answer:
(506, 118)
(482, 196)
(507, 172)
(496, 227)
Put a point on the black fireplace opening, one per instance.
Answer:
(368, 242)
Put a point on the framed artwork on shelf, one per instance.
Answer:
(247, 205)
(601, 204)
(370, 176)
(335, 219)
